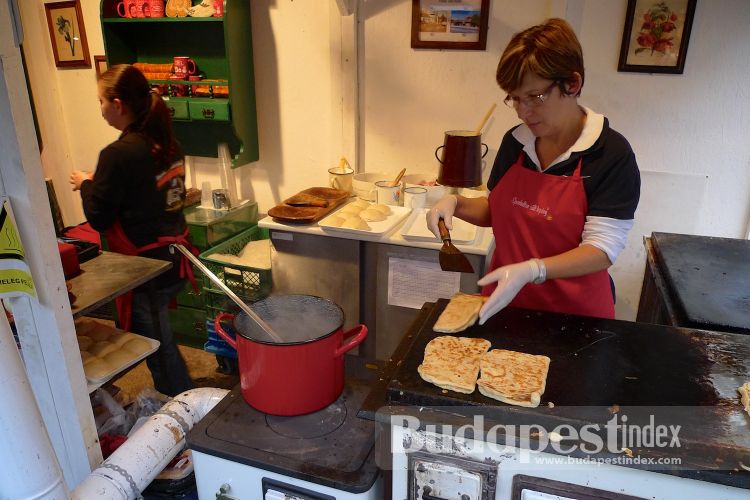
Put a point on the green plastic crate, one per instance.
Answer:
(249, 283)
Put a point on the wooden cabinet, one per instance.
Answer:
(221, 48)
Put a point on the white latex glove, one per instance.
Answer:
(510, 279)
(444, 209)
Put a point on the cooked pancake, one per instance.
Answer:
(453, 362)
(744, 391)
(460, 313)
(513, 377)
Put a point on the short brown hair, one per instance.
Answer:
(550, 50)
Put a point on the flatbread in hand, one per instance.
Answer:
(513, 377)
(453, 362)
(460, 313)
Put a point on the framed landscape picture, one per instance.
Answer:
(67, 34)
(449, 24)
(656, 35)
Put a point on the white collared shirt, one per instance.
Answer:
(592, 129)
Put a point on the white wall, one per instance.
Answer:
(692, 126)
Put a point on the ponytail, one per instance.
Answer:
(152, 118)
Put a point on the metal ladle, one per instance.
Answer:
(253, 315)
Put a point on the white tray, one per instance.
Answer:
(376, 228)
(93, 383)
(416, 229)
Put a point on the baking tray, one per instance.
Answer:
(283, 212)
(376, 228)
(113, 333)
(415, 229)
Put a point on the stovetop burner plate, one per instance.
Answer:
(331, 446)
(310, 426)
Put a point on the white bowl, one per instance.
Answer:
(363, 185)
(434, 191)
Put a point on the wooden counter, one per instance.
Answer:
(111, 274)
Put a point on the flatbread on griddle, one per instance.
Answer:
(453, 362)
(460, 313)
(513, 377)
(744, 391)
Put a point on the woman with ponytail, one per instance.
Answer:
(135, 196)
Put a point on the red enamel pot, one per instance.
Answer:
(305, 371)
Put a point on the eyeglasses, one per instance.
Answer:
(531, 101)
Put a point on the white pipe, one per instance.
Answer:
(29, 466)
(139, 460)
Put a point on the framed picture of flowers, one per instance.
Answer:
(67, 34)
(656, 36)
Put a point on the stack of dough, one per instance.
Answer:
(357, 214)
(105, 349)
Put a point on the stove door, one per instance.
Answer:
(435, 476)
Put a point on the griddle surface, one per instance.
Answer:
(707, 278)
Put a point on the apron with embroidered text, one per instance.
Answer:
(536, 215)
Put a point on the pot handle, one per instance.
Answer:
(486, 149)
(436, 156)
(219, 330)
(359, 332)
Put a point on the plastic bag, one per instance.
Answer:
(109, 415)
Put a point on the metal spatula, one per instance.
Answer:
(451, 258)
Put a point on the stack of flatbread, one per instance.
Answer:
(513, 377)
(453, 362)
(460, 313)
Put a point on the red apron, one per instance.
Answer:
(536, 215)
(119, 242)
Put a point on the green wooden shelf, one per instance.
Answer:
(108, 20)
(221, 47)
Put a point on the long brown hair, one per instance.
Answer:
(152, 117)
(550, 50)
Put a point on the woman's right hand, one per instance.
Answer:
(77, 177)
(443, 209)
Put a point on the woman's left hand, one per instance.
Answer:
(77, 177)
(510, 279)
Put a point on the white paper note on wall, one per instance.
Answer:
(411, 283)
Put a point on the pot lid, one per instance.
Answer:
(295, 318)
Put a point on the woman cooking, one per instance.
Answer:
(563, 189)
(136, 197)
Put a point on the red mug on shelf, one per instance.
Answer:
(184, 67)
(218, 8)
(141, 7)
(156, 8)
(178, 90)
(126, 8)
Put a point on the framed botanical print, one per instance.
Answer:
(656, 35)
(67, 34)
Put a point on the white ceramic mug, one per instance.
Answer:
(363, 185)
(387, 194)
(341, 179)
(415, 197)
